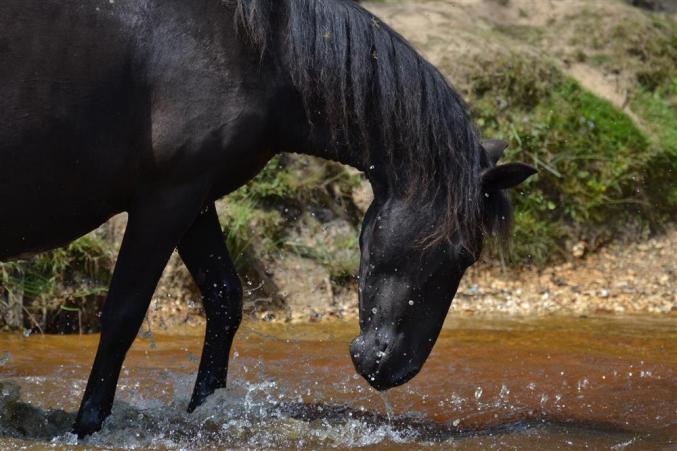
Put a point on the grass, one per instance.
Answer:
(594, 163)
(258, 217)
(637, 43)
(658, 110)
(250, 230)
(62, 279)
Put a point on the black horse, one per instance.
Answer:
(160, 107)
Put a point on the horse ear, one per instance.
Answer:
(506, 176)
(495, 149)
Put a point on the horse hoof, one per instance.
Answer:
(87, 424)
(195, 402)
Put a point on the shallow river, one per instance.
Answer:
(503, 384)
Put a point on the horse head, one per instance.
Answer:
(405, 288)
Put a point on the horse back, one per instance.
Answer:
(71, 111)
(98, 98)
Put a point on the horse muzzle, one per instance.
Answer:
(382, 362)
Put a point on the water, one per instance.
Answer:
(489, 384)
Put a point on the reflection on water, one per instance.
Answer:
(551, 383)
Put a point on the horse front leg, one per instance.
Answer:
(157, 221)
(204, 252)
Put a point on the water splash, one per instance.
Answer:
(311, 398)
(388, 406)
(478, 393)
(5, 357)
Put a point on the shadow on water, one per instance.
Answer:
(19, 419)
(548, 384)
(276, 424)
(425, 430)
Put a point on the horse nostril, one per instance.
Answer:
(381, 349)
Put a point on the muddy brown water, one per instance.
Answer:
(556, 383)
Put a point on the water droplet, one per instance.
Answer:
(505, 391)
(478, 393)
(5, 357)
(581, 384)
(374, 310)
(411, 302)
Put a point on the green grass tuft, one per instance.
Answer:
(658, 111)
(594, 163)
(52, 280)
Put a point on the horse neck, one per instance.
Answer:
(299, 134)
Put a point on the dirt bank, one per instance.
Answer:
(623, 278)
(636, 278)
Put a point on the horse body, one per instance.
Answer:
(160, 107)
(98, 105)
(154, 108)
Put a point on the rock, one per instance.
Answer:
(21, 419)
(363, 196)
(304, 285)
(578, 250)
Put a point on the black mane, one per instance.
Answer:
(378, 93)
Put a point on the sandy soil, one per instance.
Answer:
(457, 34)
(637, 278)
(633, 278)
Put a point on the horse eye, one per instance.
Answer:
(466, 256)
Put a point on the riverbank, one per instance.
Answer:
(635, 278)
(584, 91)
(516, 62)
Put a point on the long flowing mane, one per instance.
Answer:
(378, 93)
